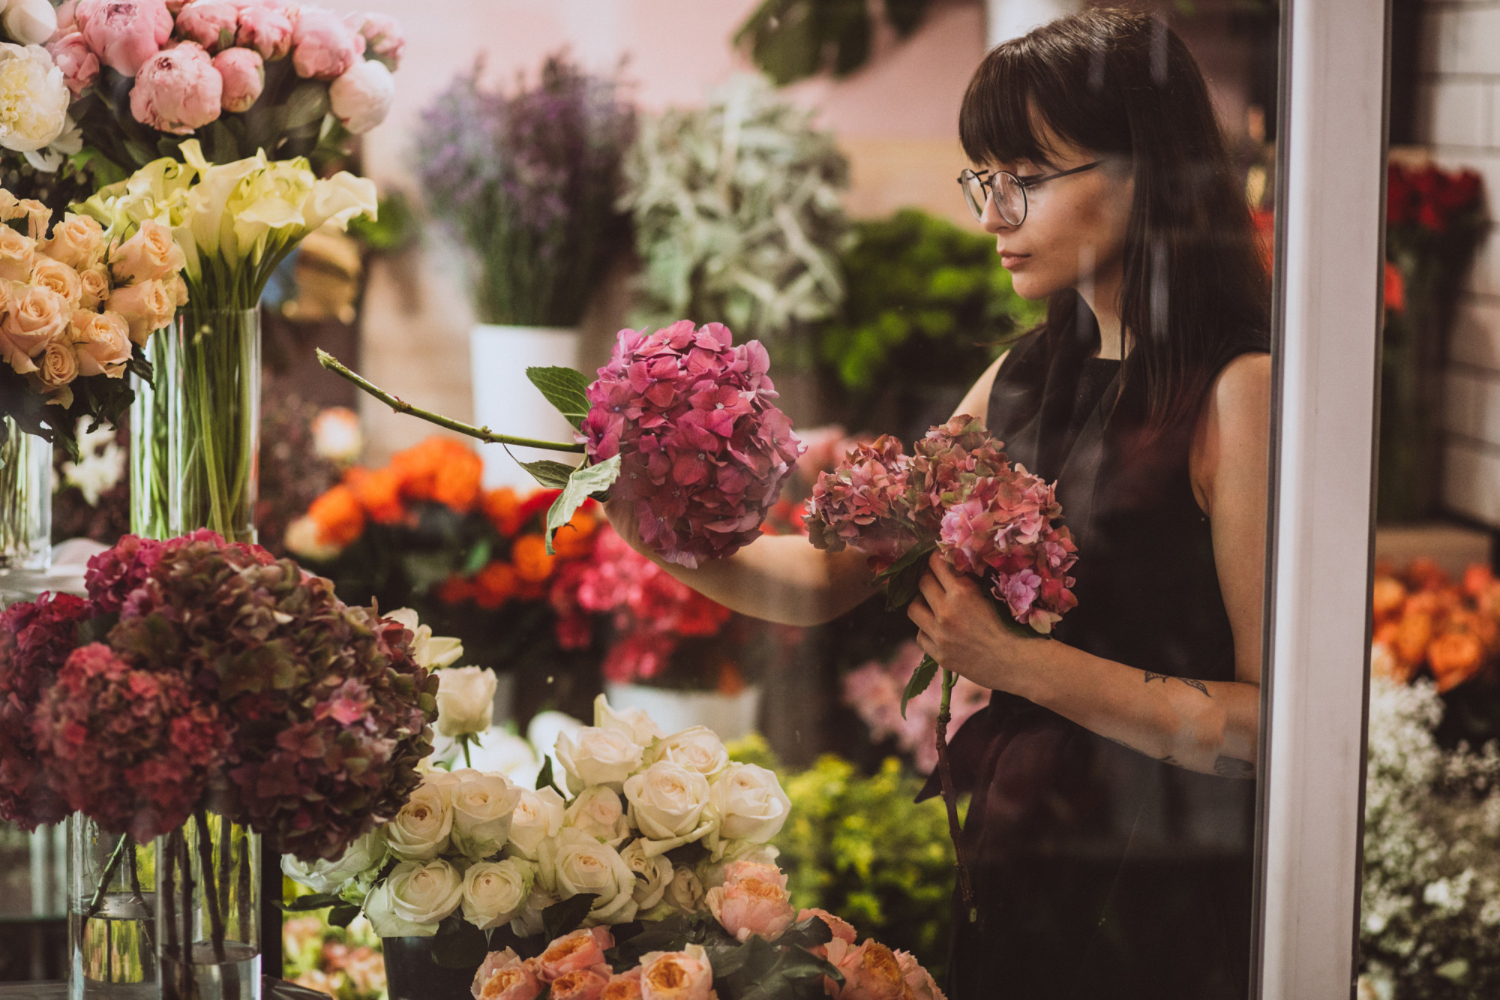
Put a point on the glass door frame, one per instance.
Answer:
(1328, 281)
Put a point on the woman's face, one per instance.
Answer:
(1073, 235)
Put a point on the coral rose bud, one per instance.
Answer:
(586, 984)
(77, 241)
(213, 24)
(30, 22)
(177, 90)
(267, 30)
(146, 307)
(58, 365)
(362, 97)
(574, 952)
(323, 46)
(752, 907)
(148, 255)
(102, 341)
(124, 33)
(244, 75)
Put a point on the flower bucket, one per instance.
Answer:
(208, 913)
(504, 397)
(730, 716)
(25, 502)
(111, 915)
(411, 974)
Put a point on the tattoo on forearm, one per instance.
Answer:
(1151, 675)
(1233, 767)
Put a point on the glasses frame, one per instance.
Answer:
(986, 179)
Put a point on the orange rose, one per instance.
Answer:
(494, 585)
(1477, 579)
(419, 467)
(1413, 633)
(1454, 658)
(1388, 596)
(502, 507)
(380, 493)
(456, 482)
(339, 516)
(529, 553)
(455, 590)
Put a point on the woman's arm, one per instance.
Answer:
(1211, 727)
(784, 578)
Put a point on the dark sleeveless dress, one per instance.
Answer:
(1099, 872)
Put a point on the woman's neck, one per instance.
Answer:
(1102, 295)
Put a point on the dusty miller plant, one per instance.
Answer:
(1430, 921)
(738, 216)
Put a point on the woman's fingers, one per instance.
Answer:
(921, 613)
(931, 589)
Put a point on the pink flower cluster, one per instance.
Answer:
(193, 61)
(958, 493)
(874, 692)
(651, 611)
(225, 675)
(703, 447)
(573, 967)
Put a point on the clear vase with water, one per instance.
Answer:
(111, 915)
(208, 918)
(25, 501)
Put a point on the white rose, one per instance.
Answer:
(421, 829)
(633, 722)
(429, 651)
(482, 808)
(33, 98)
(529, 922)
(697, 749)
(30, 22)
(382, 916)
(538, 815)
(424, 893)
(366, 854)
(441, 779)
(465, 700)
(686, 891)
(362, 96)
(595, 756)
(573, 862)
(667, 804)
(750, 803)
(597, 812)
(652, 874)
(495, 892)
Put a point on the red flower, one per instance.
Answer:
(1395, 288)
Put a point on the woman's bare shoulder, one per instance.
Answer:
(976, 401)
(1233, 427)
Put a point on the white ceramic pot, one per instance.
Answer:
(505, 400)
(731, 716)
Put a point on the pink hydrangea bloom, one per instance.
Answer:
(177, 90)
(124, 33)
(861, 503)
(704, 449)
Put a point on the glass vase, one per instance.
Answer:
(111, 915)
(208, 918)
(25, 502)
(151, 494)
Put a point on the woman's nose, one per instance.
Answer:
(991, 219)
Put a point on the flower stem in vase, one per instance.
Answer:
(218, 420)
(206, 865)
(950, 798)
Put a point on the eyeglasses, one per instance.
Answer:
(1008, 190)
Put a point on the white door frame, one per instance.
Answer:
(1330, 212)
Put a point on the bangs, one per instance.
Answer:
(995, 120)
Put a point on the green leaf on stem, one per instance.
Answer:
(904, 576)
(552, 475)
(586, 480)
(313, 901)
(343, 915)
(565, 389)
(920, 678)
(566, 917)
(546, 778)
(458, 944)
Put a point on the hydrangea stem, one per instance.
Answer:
(401, 406)
(950, 799)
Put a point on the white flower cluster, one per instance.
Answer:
(1430, 924)
(474, 842)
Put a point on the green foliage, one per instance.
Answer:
(928, 306)
(793, 39)
(860, 847)
(394, 227)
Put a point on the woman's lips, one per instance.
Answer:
(1010, 260)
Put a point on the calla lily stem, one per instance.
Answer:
(401, 406)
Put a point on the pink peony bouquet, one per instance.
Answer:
(743, 937)
(76, 302)
(218, 679)
(242, 75)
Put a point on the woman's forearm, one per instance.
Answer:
(783, 578)
(1207, 726)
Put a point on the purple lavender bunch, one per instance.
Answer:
(529, 180)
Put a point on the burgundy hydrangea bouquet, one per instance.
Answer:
(958, 495)
(681, 424)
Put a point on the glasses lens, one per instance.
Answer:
(974, 194)
(1010, 198)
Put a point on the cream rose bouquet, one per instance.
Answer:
(638, 827)
(78, 305)
(235, 222)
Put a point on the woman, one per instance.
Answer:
(1109, 834)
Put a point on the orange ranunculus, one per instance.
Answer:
(456, 482)
(1395, 288)
(1454, 658)
(1477, 579)
(455, 590)
(576, 538)
(1413, 633)
(379, 491)
(1426, 574)
(1388, 596)
(339, 517)
(529, 553)
(538, 502)
(503, 508)
(494, 585)
(420, 467)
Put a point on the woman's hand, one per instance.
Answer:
(961, 629)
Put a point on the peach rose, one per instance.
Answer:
(102, 341)
(36, 317)
(146, 307)
(752, 906)
(626, 986)
(919, 982)
(59, 365)
(94, 287)
(148, 255)
(841, 928)
(17, 255)
(77, 241)
(580, 950)
(676, 975)
(586, 984)
(871, 971)
(503, 976)
(58, 277)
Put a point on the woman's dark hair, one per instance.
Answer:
(1121, 83)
